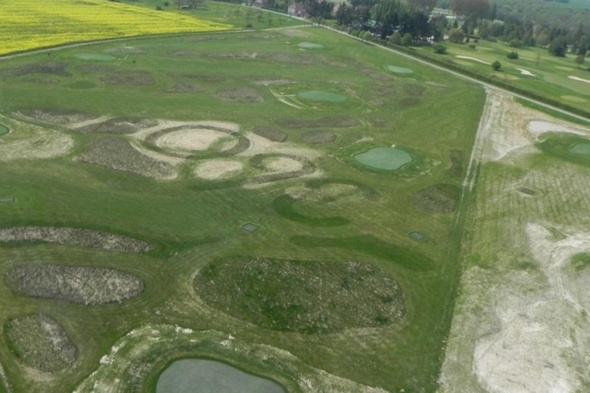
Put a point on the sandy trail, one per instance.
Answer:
(473, 59)
(579, 79)
(525, 72)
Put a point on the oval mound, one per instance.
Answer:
(302, 296)
(40, 342)
(80, 285)
(218, 169)
(399, 70)
(3, 129)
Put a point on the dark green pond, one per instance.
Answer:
(208, 376)
(386, 158)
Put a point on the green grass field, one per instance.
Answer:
(206, 93)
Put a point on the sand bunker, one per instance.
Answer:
(74, 237)
(537, 128)
(197, 139)
(30, 142)
(525, 72)
(282, 164)
(473, 59)
(218, 169)
(579, 79)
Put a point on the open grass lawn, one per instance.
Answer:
(551, 76)
(203, 95)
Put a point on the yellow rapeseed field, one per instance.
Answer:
(33, 24)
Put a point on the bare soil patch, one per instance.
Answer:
(119, 126)
(204, 78)
(439, 198)
(74, 237)
(186, 87)
(318, 138)
(119, 154)
(245, 95)
(218, 169)
(282, 164)
(271, 134)
(58, 117)
(42, 144)
(128, 79)
(53, 68)
(272, 82)
(302, 296)
(414, 90)
(40, 342)
(190, 139)
(539, 127)
(408, 102)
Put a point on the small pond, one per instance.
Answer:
(386, 158)
(96, 57)
(208, 376)
(315, 95)
(582, 149)
(3, 129)
(399, 70)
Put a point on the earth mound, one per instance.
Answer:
(119, 126)
(74, 237)
(302, 296)
(79, 285)
(439, 198)
(40, 342)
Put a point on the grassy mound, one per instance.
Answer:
(271, 134)
(439, 198)
(40, 342)
(302, 296)
(3, 129)
(74, 237)
(569, 147)
(80, 285)
(318, 138)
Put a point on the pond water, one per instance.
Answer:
(3, 129)
(315, 95)
(96, 57)
(582, 149)
(208, 376)
(386, 158)
(399, 70)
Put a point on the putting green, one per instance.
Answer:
(207, 376)
(310, 45)
(315, 95)
(582, 149)
(95, 57)
(386, 158)
(3, 129)
(399, 70)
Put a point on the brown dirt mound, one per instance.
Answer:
(40, 342)
(302, 296)
(439, 198)
(271, 134)
(74, 237)
(245, 95)
(59, 117)
(118, 154)
(182, 87)
(409, 101)
(58, 69)
(318, 138)
(80, 285)
(119, 126)
(128, 79)
(414, 90)
(328, 122)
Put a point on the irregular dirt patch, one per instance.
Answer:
(262, 146)
(218, 169)
(579, 79)
(181, 88)
(119, 154)
(74, 237)
(271, 134)
(302, 296)
(473, 59)
(26, 141)
(80, 285)
(58, 69)
(414, 90)
(128, 79)
(119, 126)
(439, 198)
(61, 118)
(190, 139)
(40, 342)
(538, 127)
(282, 164)
(525, 72)
(272, 82)
(245, 95)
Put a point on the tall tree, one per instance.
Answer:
(477, 8)
(426, 5)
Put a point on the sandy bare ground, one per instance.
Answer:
(75, 237)
(205, 124)
(472, 59)
(196, 139)
(27, 141)
(520, 322)
(525, 72)
(579, 79)
(282, 164)
(218, 169)
(261, 145)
